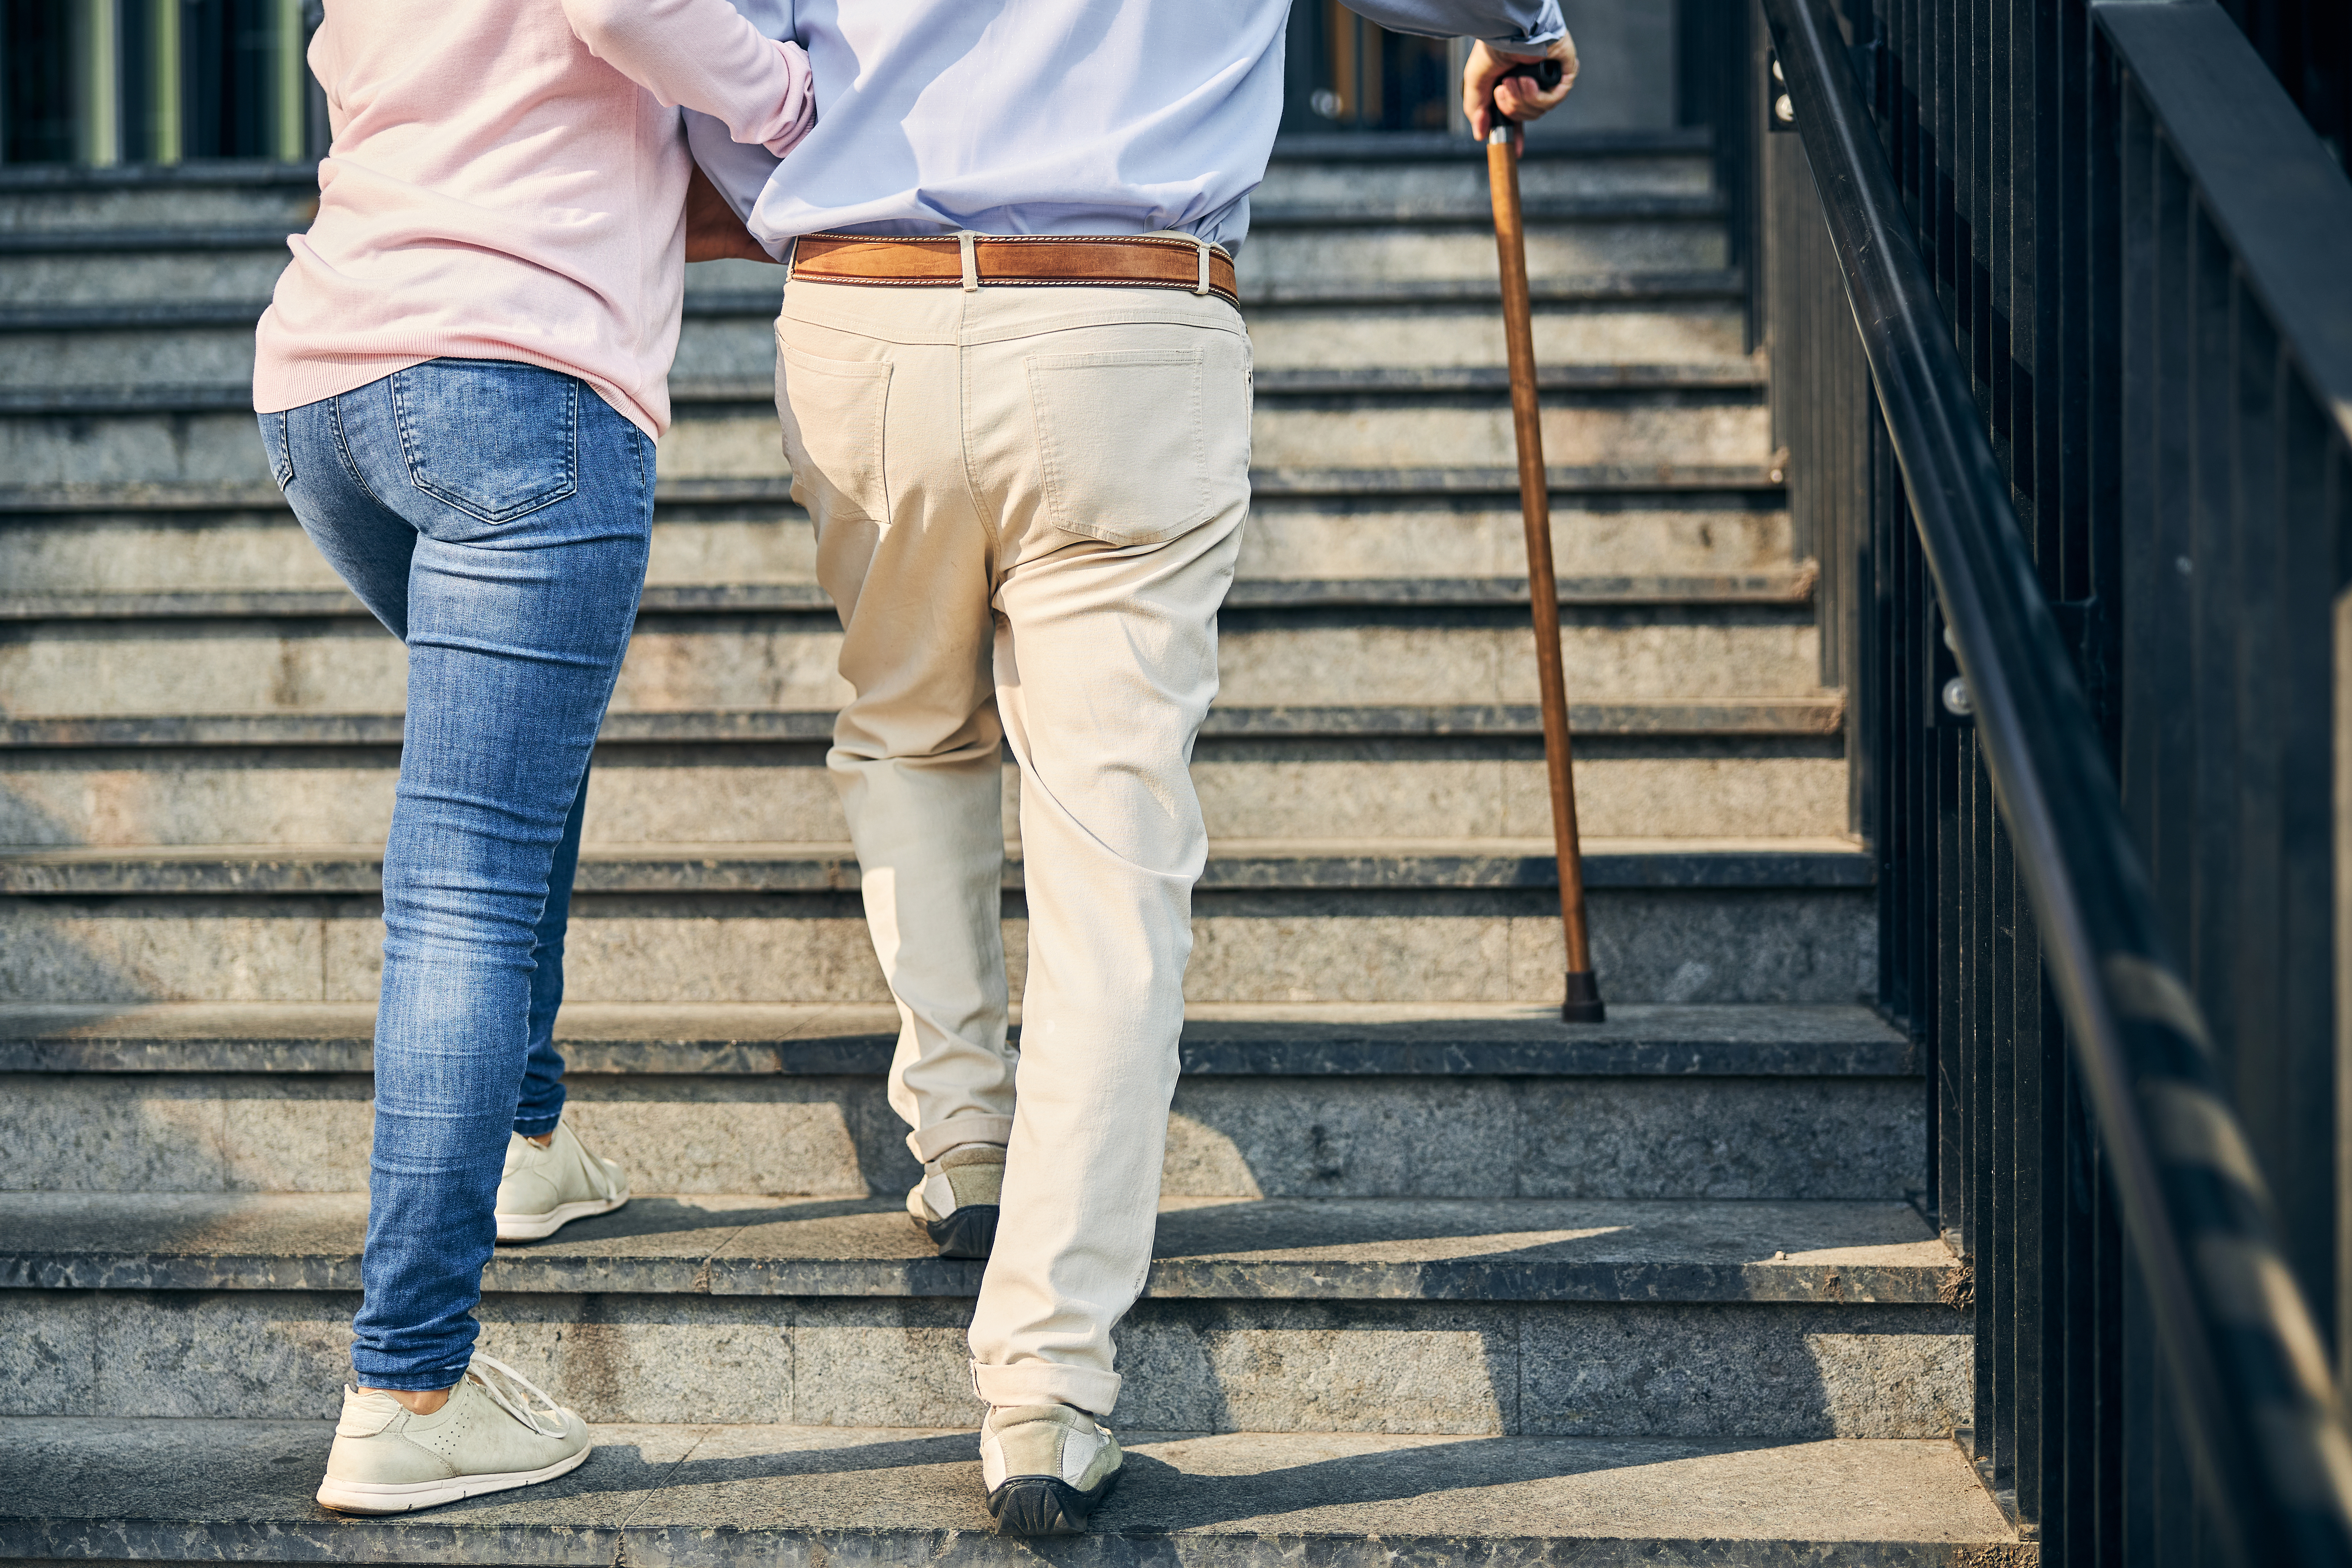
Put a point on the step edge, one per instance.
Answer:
(1793, 585)
(1776, 716)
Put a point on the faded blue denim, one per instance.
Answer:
(495, 517)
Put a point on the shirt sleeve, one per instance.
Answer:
(703, 54)
(1518, 27)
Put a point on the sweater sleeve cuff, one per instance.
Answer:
(795, 116)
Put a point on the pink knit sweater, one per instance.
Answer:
(505, 183)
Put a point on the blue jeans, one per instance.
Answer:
(495, 517)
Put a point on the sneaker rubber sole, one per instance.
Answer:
(366, 1497)
(1043, 1505)
(538, 1226)
(969, 1232)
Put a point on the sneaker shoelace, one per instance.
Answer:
(525, 1389)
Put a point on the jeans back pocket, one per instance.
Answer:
(273, 443)
(494, 438)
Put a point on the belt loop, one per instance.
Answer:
(970, 263)
(1203, 287)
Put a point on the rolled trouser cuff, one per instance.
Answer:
(1047, 1383)
(931, 1142)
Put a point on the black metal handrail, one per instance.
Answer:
(2261, 1415)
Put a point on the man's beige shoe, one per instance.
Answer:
(387, 1460)
(1046, 1468)
(956, 1201)
(546, 1189)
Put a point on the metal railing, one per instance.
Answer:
(103, 82)
(2062, 290)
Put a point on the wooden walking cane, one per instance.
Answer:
(1582, 1002)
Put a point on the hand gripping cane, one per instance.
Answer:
(1583, 1004)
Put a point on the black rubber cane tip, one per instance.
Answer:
(1583, 1004)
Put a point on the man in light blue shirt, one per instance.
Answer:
(1060, 117)
(1015, 391)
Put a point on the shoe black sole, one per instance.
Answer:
(970, 1232)
(1041, 1505)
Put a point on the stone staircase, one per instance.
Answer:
(1435, 1274)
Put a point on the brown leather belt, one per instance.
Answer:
(952, 260)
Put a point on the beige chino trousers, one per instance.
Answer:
(1028, 501)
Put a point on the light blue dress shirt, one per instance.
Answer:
(1044, 116)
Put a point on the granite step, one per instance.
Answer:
(1712, 414)
(1786, 586)
(787, 659)
(1645, 539)
(1821, 714)
(696, 1496)
(816, 867)
(1206, 1249)
(1465, 372)
(1719, 1103)
(1372, 923)
(89, 266)
(40, 199)
(97, 349)
(1598, 480)
(1669, 235)
(1286, 1315)
(1629, 784)
(81, 266)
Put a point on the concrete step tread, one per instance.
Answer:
(212, 869)
(1720, 285)
(695, 1497)
(1591, 480)
(1442, 212)
(1397, 1250)
(1329, 1039)
(1790, 585)
(1783, 716)
(1346, 147)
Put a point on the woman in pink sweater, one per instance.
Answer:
(460, 381)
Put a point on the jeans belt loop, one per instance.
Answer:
(1202, 287)
(970, 263)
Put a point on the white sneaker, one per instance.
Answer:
(546, 1189)
(388, 1459)
(1046, 1468)
(956, 1202)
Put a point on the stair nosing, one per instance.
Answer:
(1372, 866)
(245, 1248)
(1786, 717)
(1793, 585)
(1447, 146)
(28, 401)
(1705, 283)
(803, 1040)
(167, 496)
